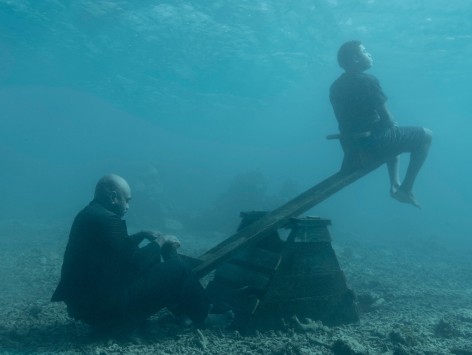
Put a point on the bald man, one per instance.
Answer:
(111, 283)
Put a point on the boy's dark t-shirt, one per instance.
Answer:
(356, 97)
(356, 100)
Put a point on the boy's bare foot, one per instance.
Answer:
(393, 189)
(405, 197)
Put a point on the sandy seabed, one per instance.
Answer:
(415, 297)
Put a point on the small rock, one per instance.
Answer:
(403, 335)
(201, 340)
(464, 315)
(369, 301)
(309, 325)
(378, 303)
(400, 349)
(445, 328)
(348, 346)
(34, 311)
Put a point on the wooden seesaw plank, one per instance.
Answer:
(277, 218)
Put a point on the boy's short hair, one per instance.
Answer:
(346, 54)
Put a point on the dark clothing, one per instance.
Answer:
(393, 141)
(107, 279)
(357, 101)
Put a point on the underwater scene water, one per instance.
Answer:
(209, 108)
(201, 93)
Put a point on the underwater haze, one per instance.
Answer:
(212, 107)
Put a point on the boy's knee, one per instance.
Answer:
(428, 135)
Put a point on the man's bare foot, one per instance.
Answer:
(405, 197)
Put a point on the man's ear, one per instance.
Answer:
(113, 196)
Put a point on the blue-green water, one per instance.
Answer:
(181, 97)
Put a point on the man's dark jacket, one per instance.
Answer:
(99, 263)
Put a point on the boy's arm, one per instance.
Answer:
(385, 115)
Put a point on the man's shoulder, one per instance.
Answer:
(95, 218)
(94, 210)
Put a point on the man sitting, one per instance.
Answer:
(111, 283)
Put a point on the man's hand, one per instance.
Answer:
(165, 239)
(172, 241)
(169, 246)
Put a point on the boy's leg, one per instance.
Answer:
(418, 156)
(397, 140)
(393, 167)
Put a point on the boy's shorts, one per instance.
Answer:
(394, 141)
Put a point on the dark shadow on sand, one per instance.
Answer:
(75, 336)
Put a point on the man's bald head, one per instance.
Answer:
(114, 193)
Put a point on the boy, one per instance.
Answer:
(367, 128)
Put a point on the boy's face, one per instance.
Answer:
(363, 59)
